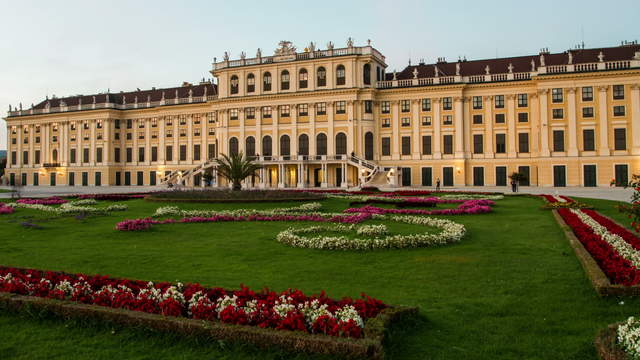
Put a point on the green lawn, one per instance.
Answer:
(512, 289)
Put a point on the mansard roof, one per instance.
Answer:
(130, 97)
(519, 63)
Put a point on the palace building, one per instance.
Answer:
(336, 117)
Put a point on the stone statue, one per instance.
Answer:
(510, 68)
(487, 70)
(135, 100)
(205, 93)
(395, 75)
(312, 47)
(457, 69)
(349, 42)
(148, 98)
(542, 60)
(330, 46)
(243, 55)
(20, 106)
(259, 53)
(368, 42)
(570, 57)
(601, 57)
(226, 56)
(286, 48)
(124, 101)
(9, 107)
(176, 93)
(62, 103)
(533, 65)
(94, 99)
(435, 71)
(415, 73)
(190, 92)
(162, 96)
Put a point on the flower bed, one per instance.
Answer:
(563, 202)
(468, 207)
(226, 196)
(258, 317)
(112, 197)
(608, 345)
(69, 208)
(45, 201)
(451, 232)
(4, 209)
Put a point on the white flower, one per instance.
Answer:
(629, 337)
(348, 312)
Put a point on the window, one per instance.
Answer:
(99, 124)
(406, 145)
(618, 111)
(556, 95)
(251, 83)
(588, 140)
(618, 92)
(250, 146)
(587, 93)
(426, 104)
(477, 119)
(386, 146)
(620, 139)
(211, 118)
(183, 132)
(478, 144)
(183, 121)
(183, 152)
(447, 120)
(285, 145)
(303, 144)
(211, 151)
(99, 154)
(448, 144)
(523, 117)
(38, 139)
(303, 109)
(154, 153)
(303, 79)
(587, 112)
(266, 81)
(558, 140)
(341, 144)
(322, 76)
(266, 112)
(25, 158)
(168, 154)
(523, 100)
(168, 133)
(284, 80)
(366, 74)
(267, 146)
(233, 114)
(385, 108)
(116, 155)
(116, 125)
(321, 144)
(85, 124)
(386, 123)
(477, 102)
(140, 154)
(340, 75)
(169, 122)
(406, 121)
(426, 145)
(426, 120)
(14, 158)
(37, 158)
(446, 103)
(321, 109)
(405, 105)
(141, 134)
(129, 155)
(250, 113)
(499, 118)
(233, 146)
(85, 155)
(72, 126)
(557, 113)
(341, 107)
(523, 142)
(285, 110)
(368, 107)
(501, 143)
(499, 101)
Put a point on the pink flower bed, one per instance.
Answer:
(4, 209)
(54, 200)
(468, 207)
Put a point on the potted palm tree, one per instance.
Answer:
(235, 168)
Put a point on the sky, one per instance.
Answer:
(85, 47)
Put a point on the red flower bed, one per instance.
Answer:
(112, 197)
(287, 310)
(614, 228)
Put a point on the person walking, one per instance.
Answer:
(438, 184)
(514, 185)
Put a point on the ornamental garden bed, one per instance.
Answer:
(289, 320)
(608, 252)
(229, 196)
(607, 346)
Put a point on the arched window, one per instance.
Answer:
(341, 77)
(54, 155)
(303, 79)
(321, 144)
(233, 146)
(284, 80)
(368, 146)
(234, 84)
(366, 74)
(285, 145)
(266, 146)
(322, 77)
(251, 83)
(266, 81)
(303, 144)
(341, 144)
(250, 146)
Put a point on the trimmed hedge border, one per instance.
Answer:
(598, 278)
(606, 346)
(370, 346)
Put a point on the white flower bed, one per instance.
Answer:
(629, 337)
(370, 230)
(470, 197)
(451, 232)
(622, 247)
(309, 208)
(83, 202)
(70, 208)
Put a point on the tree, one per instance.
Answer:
(517, 177)
(633, 209)
(236, 168)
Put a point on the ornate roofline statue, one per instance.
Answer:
(286, 48)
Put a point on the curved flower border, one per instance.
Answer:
(69, 208)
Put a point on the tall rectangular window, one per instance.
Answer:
(196, 152)
(183, 152)
(556, 95)
(448, 144)
(386, 146)
(368, 106)
(211, 151)
(523, 142)
(478, 144)
(140, 154)
(154, 153)
(426, 145)
(341, 107)
(587, 93)
(501, 143)
(168, 155)
(37, 157)
(129, 155)
(588, 140)
(99, 155)
(385, 107)
(620, 138)
(25, 158)
(558, 140)
(285, 110)
(406, 145)
(116, 154)
(85, 155)
(447, 120)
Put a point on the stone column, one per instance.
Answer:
(108, 146)
(603, 123)
(635, 119)
(331, 149)
(176, 137)
(204, 136)
(415, 129)
(459, 127)
(312, 129)
(259, 132)
(544, 123)
(573, 137)
(294, 130)
(92, 142)
(241, 140)
(466, 118)
(488, 127)
(350, 128)
(275, 142)
(19, 160)
(395, 130)
(161, 137)
(534, 118)
(32, 153)
(147, 142)
(511, 126)
(190, 140)
(437, 136)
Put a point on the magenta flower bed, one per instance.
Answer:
(468, 207)
(4, 209)
(113, 197)
(54, 200)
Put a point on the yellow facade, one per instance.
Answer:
(554, 121)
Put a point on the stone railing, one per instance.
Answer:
(354, 50)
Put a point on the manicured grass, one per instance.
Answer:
(512, 289)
